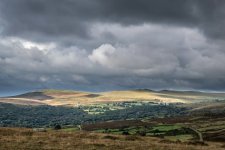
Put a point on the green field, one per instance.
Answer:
(182, 138)
(168, 132)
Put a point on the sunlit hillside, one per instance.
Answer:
(76, 98)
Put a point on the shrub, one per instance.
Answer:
(125, 133)
(141, 133)
(57, 127)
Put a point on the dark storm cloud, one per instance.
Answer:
(72, 18)
(112, 44)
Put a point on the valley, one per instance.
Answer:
(194, 120)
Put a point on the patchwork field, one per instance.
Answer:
(176, 129)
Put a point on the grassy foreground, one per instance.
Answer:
(21, 138)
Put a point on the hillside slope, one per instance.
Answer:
(21, 138)
(75, 98)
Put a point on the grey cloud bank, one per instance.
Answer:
(106, 44)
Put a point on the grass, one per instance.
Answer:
(21, 138)
(212, 128)
(70, 129)
(165, 128)
(165, 131)
(182, 138)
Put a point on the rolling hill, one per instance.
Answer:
(75, 98)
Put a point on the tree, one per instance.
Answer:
(125, 133)
(141, 133)
(57, 127)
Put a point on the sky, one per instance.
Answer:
(100, 45)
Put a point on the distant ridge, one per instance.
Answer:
(173, 91)
(74, 98)
(189, 92)
(144, 90)
(33, 95)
